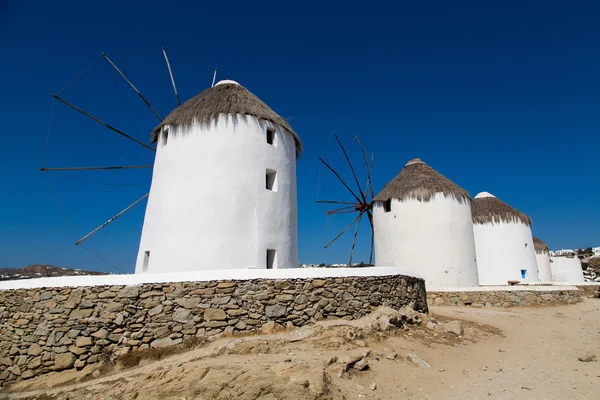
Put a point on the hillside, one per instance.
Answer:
(42, 271)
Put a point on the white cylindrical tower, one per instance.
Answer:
(422, 221)
(566, 270)
(542, 256)
(223, 192)
(503, 242)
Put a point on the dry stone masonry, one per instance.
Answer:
(51, 329)
(503, 298)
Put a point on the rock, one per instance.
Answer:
(454, 327)
(35, 350)
(188, 303)
(301, 299)
(27, 374)
(215, 314)
(119, 320)
(35, 363)
(6, 361)
(77, 350)
(160, 343)
(15, 370)
(79, 364)
(275, 311)
(225, 285)
(114, 307)
(64, 361)
(129, 292)
(418, 360)
(81, 314)
(373, 386)
(84, 341)
(150, 294)
(101, 334)
(332, 360)
(155, 310)
(588, 358)
(182, 315)
(441, 370)
(221, 300)
(361, 365)
(268, 328)
(317, 283)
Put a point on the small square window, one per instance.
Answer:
(271, 259)
(270, 136)
(271, 180)
(165, 137)
(387, 206)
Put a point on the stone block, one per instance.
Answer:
(215, 314)
(64, 361)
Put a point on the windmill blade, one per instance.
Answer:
(341, 180)
(344, 231)
(112, 219)
(133, 87)
(111, 167)
(103, 123)
(349, 163)
(334, 202)
(171, 75)
(354, 240)
(342, 210)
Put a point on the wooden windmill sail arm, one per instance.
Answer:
(341, 180)
(112, 219)
(102, 123)
(132, 86)
(172, 79)
(350, 164)
(344, 231)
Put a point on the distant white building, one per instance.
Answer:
(542, 256)
(422, 221)
(223, 192)
(503, 242)
(566, 270)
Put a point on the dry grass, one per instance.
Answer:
(419, 181)
(487, 210)
(231, 99)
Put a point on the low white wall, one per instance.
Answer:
(516, 288)
(544, 269)
(567, 270)
(199, 276)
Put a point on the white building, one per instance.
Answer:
(503, 242)
(542, 256)
(223, 192)
(422, 221)
(566, 270)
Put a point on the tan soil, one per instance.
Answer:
(521, 353)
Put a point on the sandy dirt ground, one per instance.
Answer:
(519, 353)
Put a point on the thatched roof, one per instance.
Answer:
(540, 246)
(419, 181)
(486, 208)
(226, 97)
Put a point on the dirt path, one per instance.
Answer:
(522, 353)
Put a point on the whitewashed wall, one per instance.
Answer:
(434, 238)
(503, 250)
(566, 270)
(543, 263)
(209, 207)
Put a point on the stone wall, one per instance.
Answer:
(591, 290)
(48, 329)
(504, 298)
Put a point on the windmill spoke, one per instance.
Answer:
(112, 219)
(102, 123)
(344, 231)
(96, 168)
(349, 163)
(334, 202)
(171, 75)
(133, 87)
(341, 180)
(354, 241)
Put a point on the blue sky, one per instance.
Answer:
(498, 96)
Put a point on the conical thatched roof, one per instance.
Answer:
(419, 181)
(540, 246)
(486, 208)
(226, 97)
